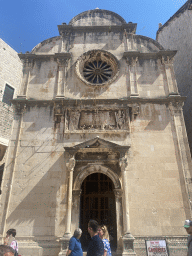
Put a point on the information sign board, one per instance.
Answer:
(156, 248)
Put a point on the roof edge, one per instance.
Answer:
(187, 5)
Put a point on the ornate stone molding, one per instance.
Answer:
(152, 55)
(132, 61)
(168, 60)
(176, 107)
(123, 163)
(118, 193)
(62, 61)
(71, 164)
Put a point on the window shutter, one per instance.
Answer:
(8, 94)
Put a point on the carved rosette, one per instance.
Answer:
(97, 68)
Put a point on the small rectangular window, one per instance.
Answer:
(8, 94)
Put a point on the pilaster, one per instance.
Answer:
(27, 66)
(132, 69)
(171, 81)
(127, 238)
(62, 67)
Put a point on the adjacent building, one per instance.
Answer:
(10, 79)
(98, 133)
(176, 34)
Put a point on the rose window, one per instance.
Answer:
(97, 72)
(97, 68)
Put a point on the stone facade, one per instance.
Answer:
(98, 119)
(175, 34)
(10, 74)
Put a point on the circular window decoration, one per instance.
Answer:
(97, 68)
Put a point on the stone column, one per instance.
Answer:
(127, 238)
(70, 167)
(76, 207)
(118, 202)
(27, 65)
(62, 67)
(65, 239)
(132, 69)
(171, 81)
(183, 152)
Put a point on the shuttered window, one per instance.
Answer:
(8, 94)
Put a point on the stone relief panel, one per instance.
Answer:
(96, 120)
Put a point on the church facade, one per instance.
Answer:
(98, 133)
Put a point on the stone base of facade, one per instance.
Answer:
(177, 246)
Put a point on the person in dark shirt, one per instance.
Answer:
(96, 247)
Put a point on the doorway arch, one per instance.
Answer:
(98, 202)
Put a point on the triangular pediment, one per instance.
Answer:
(96, 144)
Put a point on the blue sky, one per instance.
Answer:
(25, 23)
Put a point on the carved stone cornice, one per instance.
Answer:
(101, 103)
(129, 27)
(150, 55)
(31, 56)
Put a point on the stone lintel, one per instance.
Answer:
(149, 55)
(129, 27)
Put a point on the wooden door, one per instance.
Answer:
(98, 203)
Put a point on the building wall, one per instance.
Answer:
(156, 180)
(177, 35)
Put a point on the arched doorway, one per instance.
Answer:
(98, 203)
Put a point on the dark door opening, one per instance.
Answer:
(98, 203)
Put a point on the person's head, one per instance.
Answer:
(103, 232)
(188, 226)
(93, 227)
(6, 250)
(77, 233)
(12, 232)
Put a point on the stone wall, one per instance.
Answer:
(176, 35)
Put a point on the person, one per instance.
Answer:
(104, 235)
(10, 240)
(6, 250)
(74, 244)
(188, 228)
(95, 247)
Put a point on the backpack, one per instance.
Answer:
(16, 253)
